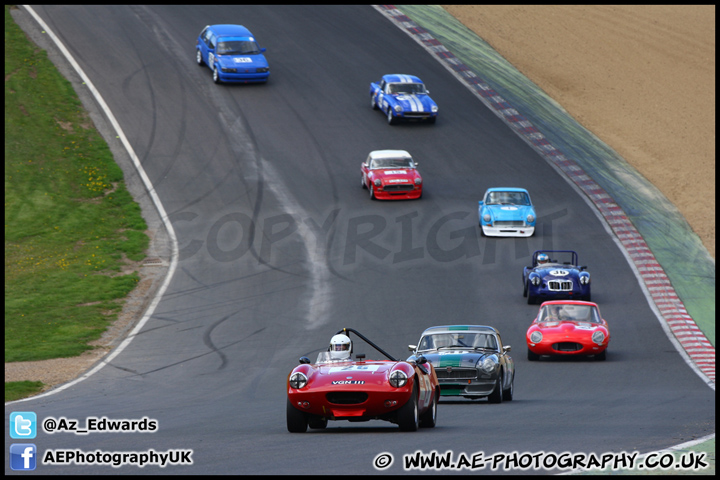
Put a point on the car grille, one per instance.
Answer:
(560, 285)
(346, 398)
(417, 114)
(456, 373)
(567, 346)
(398, 188)
(510, 223)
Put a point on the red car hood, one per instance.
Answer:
(568, 327)
(396, 175)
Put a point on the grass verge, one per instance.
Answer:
(70, 224)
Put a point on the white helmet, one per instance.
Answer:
(340, 347)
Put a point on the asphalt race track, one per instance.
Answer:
(280, 248)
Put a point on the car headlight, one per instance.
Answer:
(398, 108)
(535, 280)
(584, 278)
(298, 380)
(377, 182)
(486, 218)
(530, 219)
(434, 109)
(398, 379)
(598, 337)
(488, 365)
(418, 181)
(263, 69)
(536, 337)
(229, 70)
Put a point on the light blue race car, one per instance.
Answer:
(507, 212)
(232, 54)
(403, 97)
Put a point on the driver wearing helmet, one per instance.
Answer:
(340, 348)
(543, 259)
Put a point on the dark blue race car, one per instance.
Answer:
(403, 97)
(232, 54)
(555, 275)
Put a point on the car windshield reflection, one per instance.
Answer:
(569, 313)
(465, 340)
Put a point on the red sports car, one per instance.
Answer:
(401, 392)
(391, 174)
(568, 327)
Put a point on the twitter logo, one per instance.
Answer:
(23, 425)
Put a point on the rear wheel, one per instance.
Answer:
(408, 419)
(362, 181)
(198, 58)
(296, 420)
(372, 102)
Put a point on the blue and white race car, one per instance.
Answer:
(232, 54)
(555, 275)
(507, 212)
(403, 97)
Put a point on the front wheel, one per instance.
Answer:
(497, 394)
(296, 420)
(532, 356)
(390, 118)
(429, 418)
(408, 419)
(508, 393)
(216, 74)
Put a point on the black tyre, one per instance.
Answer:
(407, 418)
(317, 423)
(373, 104)
(497, 394)
(390, 118)
(199, 59)
(510, 391)
(525, 290)
(532, 356)
(600, 357)
(429, 418)
(216, 75)
(296, 420)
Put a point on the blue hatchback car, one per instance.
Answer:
(232, 54)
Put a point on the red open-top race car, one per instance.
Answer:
(336, 387)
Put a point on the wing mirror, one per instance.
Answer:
(507, 348)
(412, 347)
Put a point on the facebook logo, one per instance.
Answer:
(23, 425)
(22, 456)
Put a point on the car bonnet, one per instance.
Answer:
(414, 103)
(396, 175)
(510, 212)
(455, 358)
